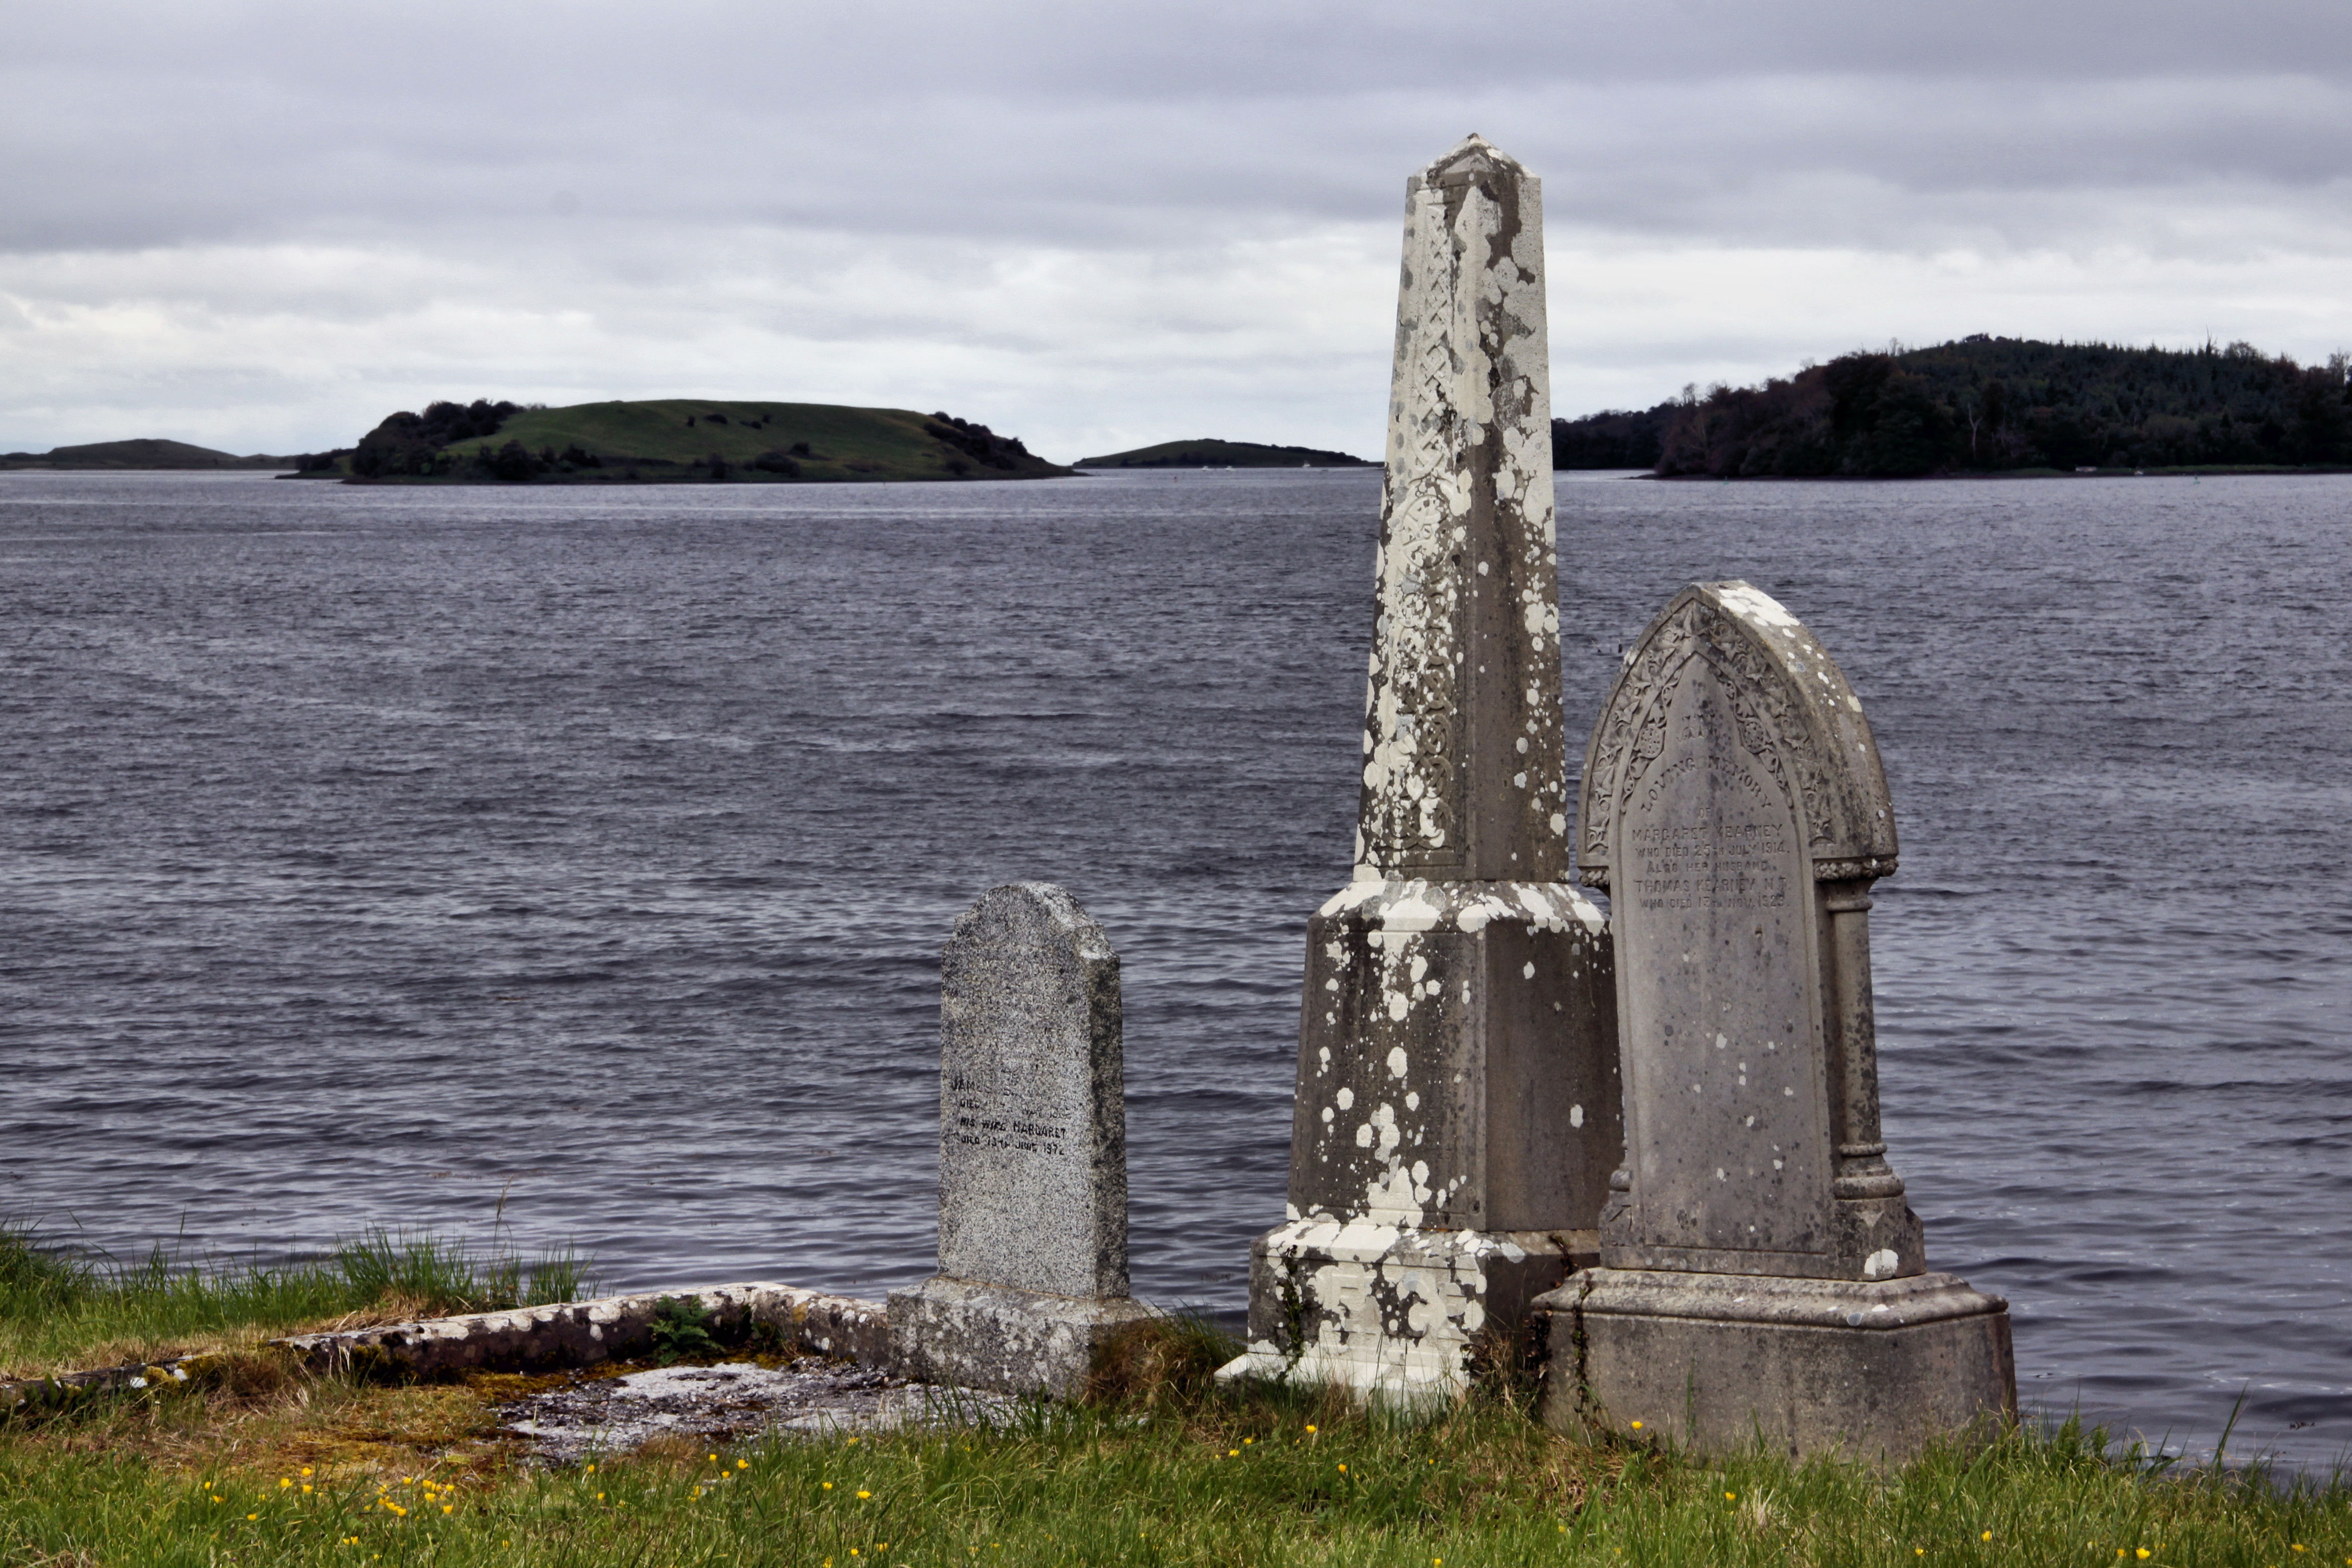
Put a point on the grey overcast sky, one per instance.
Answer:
(263, 224)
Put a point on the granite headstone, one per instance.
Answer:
(1032, 1153)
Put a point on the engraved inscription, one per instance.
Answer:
(1714, 940)
(978, 1117)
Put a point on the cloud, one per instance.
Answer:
(269, 223)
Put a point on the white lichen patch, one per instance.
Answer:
(1469, 419)
(1755, 606)
(1391, 1309)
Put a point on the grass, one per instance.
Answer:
(1159, 1466)
(61, 1310)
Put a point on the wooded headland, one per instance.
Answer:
(1987, 404)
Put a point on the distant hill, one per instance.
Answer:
(143, 453)
(1207, 454)
(1987, 404)
(697, 439)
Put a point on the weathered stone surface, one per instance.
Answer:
(1032, 1153)
(1033, 1118)
(1734, 806)
(1870, 1370)
(1458, 1104)
(983, 1336)
(582, 1334)
(815, 1396)
(1735, 809)
(526, 1339)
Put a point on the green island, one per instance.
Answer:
(142, 453)
(1991, 406)
(678, 439)
(1211, 454)
(256, 1461)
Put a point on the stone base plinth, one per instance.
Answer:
(1716, 1363)
(992, 1337)
(1388, 1312)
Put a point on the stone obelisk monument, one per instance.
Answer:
(1762, 1277)
(1458, 1108)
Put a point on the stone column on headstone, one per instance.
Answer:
(1033, 1155)
(1760, 1270)
(1457, 1112)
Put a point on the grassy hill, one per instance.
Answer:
(1987, 404)
(1209, 454)
(143, 453)
(681, 439)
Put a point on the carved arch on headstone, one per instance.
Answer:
(1796, 715)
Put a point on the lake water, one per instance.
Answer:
(382, 856)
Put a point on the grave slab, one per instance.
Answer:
(1033, 1155)
(1761, 1269)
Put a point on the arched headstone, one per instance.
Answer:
(1760, 1268)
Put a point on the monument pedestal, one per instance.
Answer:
(1873, 1370)
(993, 1337)
(1388, 1312)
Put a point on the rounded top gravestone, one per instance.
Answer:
(1735, 807)
(1795, 716)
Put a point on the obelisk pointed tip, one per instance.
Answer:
(1473, 154)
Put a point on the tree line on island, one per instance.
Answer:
(1987, 404)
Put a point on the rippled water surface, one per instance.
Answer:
(370, 857)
